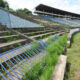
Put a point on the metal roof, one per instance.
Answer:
(53, 10)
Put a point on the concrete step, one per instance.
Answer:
(3, 31)
(1, 37)
(6, 32)
(11, 43)
(46, 34)
(38, 32)
(41, 35)
(4, 39)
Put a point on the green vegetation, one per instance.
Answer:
(32, 34)
(9, 33)
(25, 10)
(51, 39)
(9, 39)
(44, 68)
(4, 4)
(35, 44)
(29, 16)
(11, 10)
(42, 37)
(18, 36)
(19, 44)
(74, 59)
(41, 24)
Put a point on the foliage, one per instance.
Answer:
(41, 24)
(4, 4)
(18, 44)
(29, 16)
(7, 39)
(11, 10)
(32, 33)
(18, 36)
(52, 39)
(43, 70)
(9, 32)
(35, 44)
(25, 10)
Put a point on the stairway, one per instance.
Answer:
(9, 39)
(40, 33)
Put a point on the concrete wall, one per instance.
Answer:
(12, 21)
(4, 18)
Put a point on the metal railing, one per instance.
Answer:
(18, 58)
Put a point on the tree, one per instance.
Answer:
(25, 10)
(4, 4)
(11, 10)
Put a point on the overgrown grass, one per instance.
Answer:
(74, 59)
(43, 70)
(34, 45)
(9, 33)
(41, 24)
(51, 39)
(9, 39)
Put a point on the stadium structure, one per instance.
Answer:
(20, 32)
(57, 15)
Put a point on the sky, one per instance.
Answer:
(67, 5)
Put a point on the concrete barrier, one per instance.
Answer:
(59, 71)
(72, 31)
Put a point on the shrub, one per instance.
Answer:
(32, 33)
(52, 39)
(35, 44)
(43, 70)
(63, 41)
(18, 44)
(29, 17)
(41, 24)
(9, 32)
(18, 36)
(33, 73)
(47, 73)
(55, 48)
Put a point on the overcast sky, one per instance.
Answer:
(68, 5)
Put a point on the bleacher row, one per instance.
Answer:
(16, 59)
(12, 62)
(65, 21)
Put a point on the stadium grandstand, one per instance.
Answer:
(24, 39)
(57, 15)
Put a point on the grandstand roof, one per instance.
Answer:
(48, 9)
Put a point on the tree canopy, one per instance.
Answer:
(4, 4)
(25, 10)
